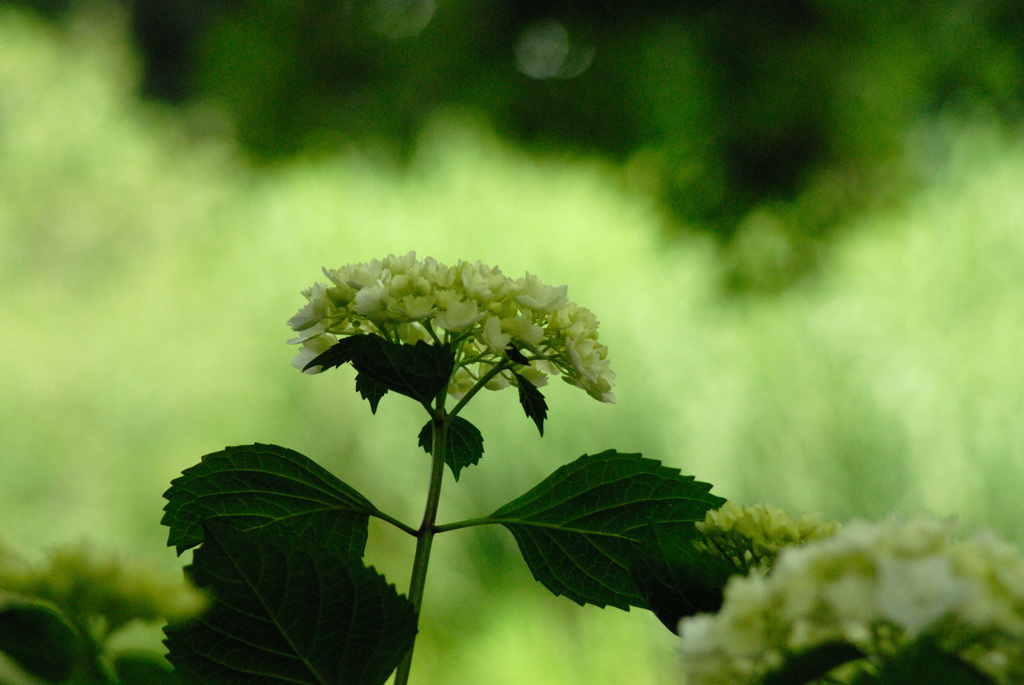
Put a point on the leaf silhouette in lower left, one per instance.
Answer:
(288, 610)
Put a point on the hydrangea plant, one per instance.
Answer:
(279, 541)
(757, 595)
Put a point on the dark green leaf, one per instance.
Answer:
(813, 664)
(515, 355)
(533, 402)
(256, 486)
(38, 638)
(578, 529)
(144, 668)
(464, 445)
(922, 662)
(418, 371)
(370, 390)
(342, 352)
(675, 577)
(291, 610)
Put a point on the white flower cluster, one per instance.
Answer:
(473, 306)
(754, 535)
(902, 579)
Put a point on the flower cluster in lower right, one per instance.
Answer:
(867, 591)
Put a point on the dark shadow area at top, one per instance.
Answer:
(765, 124)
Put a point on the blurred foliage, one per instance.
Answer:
(148, 269)
(57, 620)
(765, 123)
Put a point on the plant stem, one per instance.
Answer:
(425, 535)
(495, 370)
(482, 521)
(395, 522)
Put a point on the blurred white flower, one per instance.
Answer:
(908, 577)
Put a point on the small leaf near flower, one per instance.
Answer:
(532, 400)
(464, 445)
(370, 390)
(420, 371)
(342, 352)
(513, 353)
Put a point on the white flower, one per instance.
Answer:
(314, 311)
(373, 302)
(461, 383)
(492, 336)
(414, 308)
(525, 332)
(482, 283)
(536, 377)
(915, 593)
(913, 576)
(311, 349)
(533, 294)
(458, 316)
(360, 275)
(472, 306)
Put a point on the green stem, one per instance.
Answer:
(495, 370)
(395, 522)
(425, 536)
(483, 521)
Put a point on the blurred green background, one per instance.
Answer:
(800, 224)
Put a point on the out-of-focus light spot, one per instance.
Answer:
(401, 18)
(544, 50)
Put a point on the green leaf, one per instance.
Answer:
(922, 662)
(515, 355)
(578, 529)
(341, 352)
(289, 609)
(675, 577)
(813, 664)
(38, 638)
(257, 486)
(464, 445)
(370, 390)
(533, 402)
(419, 371)
(135, 667)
